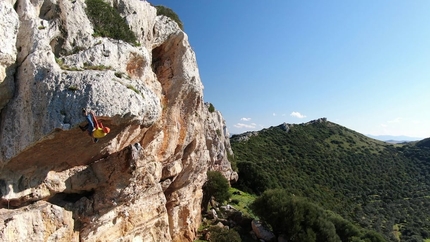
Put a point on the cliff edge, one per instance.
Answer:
(143, 181)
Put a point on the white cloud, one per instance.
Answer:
(245, 119)
(274, 114)
(297, 115)
(396, 120)
(244, 126)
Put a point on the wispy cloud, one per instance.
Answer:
(391, 123)
(297, 115)
(274, 114)
(245, 119)
(245, 126)
(396, 120)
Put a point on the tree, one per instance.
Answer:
(253, 178)
(372, 236)
(294, 217)
(217, 186)
(301, 220)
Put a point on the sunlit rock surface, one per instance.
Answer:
(143, 181)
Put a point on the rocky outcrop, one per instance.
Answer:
(261, 232)
(143, 181)
(286, 127)
(218, 137)
(245, 136)
(9, 24)
(25, 224)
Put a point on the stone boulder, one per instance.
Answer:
(261, 232)
(26, 224)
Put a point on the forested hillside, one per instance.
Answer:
(376, 185)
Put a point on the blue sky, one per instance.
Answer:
(363, 64)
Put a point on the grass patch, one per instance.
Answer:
(397, 233)
(131, 87)
(59, 61)
(241, 200)
(63, 66)
(121, 75)
(87, 66)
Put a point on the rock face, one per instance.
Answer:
(143, 181)
(9, 24)
(217, 137)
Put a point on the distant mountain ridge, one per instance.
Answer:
(394, 138)
(375, 184)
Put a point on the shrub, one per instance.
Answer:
(300, 220)
(253, 178)
(293, 216)
(162, 10)
(211, 108)
(107, 21)
(218, 186)
(218, 234)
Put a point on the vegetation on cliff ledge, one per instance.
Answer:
(162, 10)
(107, 21)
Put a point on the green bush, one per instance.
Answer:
(292, 216)
(107, 21)
(253, 178)
(223, 235)
(162, 10)
(217, 186)
(300, 220)
(211, 108)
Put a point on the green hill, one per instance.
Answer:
(376, 185)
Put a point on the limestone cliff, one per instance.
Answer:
(143, 181)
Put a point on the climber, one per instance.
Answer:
(94, 127)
